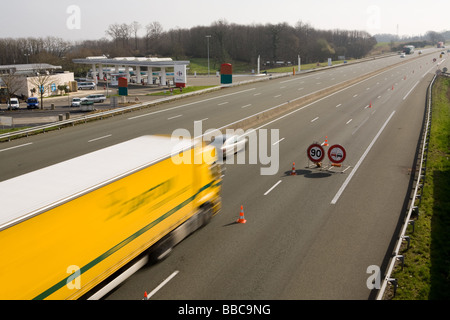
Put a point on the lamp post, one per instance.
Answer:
(207, 37)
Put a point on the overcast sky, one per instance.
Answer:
(88, 19)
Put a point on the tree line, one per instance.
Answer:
(235, 42)
(228, 42)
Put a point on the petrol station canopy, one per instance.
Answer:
(137, 62)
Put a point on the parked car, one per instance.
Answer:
(228, 145)
(13, 104)
(76, 102)
(96, 97)
(86, 85)
(32, 103)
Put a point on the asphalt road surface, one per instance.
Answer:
(312, 235)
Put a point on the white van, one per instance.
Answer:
(13, 104)
(86, 85)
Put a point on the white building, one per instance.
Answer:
(27, 79)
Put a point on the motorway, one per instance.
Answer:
(308, 236)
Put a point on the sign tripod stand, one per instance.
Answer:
(336, 154)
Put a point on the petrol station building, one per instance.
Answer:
(141, 67)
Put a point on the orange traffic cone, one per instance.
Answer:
(293, 172)
(370, 105)
(326, 142)
(241, 216)
(145, 295)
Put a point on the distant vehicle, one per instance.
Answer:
(228, 145)
(13, 104)
(96, 98)
(76, 102)
(408, 49)
(32, 103)
(402, 55)
(440, 44)
(442, 52)
(86, 85)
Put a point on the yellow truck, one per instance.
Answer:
(66, 228)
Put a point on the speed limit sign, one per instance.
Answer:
(336, 153)
(316, 152)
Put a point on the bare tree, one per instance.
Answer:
(125, 34)
(12, 83)
(153, 32)
(114, 32)
(41, 81)
(134, 28)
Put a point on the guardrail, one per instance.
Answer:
(414, 208)
(93, 116)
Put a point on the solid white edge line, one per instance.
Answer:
(350, 176)
(274, 186)
(22, 145)
(162, 284)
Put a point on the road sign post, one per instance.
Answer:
(337, 155)
(315, 154)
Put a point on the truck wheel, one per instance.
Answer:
(207, 214)
(160, 250)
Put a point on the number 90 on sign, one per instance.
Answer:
(315, 152)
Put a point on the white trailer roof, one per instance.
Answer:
(27, 195)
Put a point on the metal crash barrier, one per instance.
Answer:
(414, 208)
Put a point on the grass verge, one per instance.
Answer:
(8, 130)
(426, 273)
